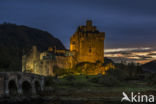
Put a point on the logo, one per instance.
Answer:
(137, 98)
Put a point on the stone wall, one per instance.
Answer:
(42, 63)
(1, 85)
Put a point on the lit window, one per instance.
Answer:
(73, 42)
(90, 49)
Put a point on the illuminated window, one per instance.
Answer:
(90, 49)
(73, 42)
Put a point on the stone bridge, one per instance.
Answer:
(19, 83)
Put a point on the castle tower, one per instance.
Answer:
(88, 44)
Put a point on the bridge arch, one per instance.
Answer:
(12, 87)
(26, 87)
(37, 86)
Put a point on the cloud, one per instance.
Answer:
(128, 50)
(137, 55)
(127, 23)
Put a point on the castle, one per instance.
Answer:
(86, 45)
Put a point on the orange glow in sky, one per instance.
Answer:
(137, 55)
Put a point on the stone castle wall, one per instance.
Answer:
(42, 63)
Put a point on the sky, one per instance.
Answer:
(128, 24)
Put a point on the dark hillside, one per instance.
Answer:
(16, 40)
(150, 66)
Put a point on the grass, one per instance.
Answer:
(80, 86)
(82, 82)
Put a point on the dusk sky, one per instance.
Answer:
(128, 23)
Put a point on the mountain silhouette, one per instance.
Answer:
(17, 40)
(150, 66)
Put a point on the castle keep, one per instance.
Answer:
(86, 45)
